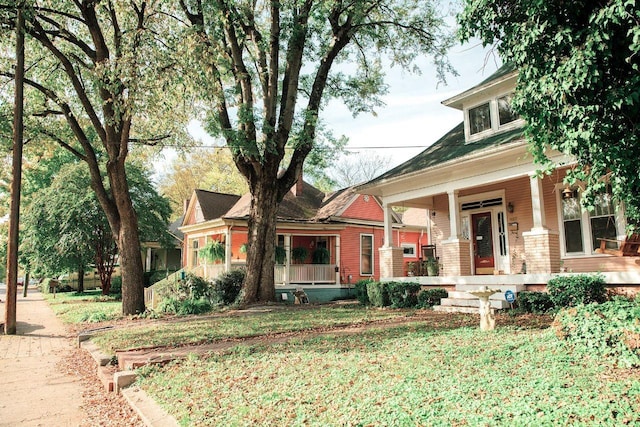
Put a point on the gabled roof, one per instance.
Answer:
(450, 147)
(503, 74)
(297, 208)
(214, 205)
(173, 229)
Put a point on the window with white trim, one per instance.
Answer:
(493, 115)
(408, 250)
(366, 254)
(582, 231)
(194, 252)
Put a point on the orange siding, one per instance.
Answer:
(361, 209)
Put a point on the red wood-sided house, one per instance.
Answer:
(493, 220)
(326, 242)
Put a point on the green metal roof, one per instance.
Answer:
(450, 147)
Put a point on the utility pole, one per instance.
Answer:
(16, 165)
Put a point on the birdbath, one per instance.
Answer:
(487, 317)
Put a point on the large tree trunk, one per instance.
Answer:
(128, 239)
(259, 283)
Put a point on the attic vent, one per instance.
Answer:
(482, 204)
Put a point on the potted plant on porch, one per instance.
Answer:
(299, 254)
(212, 251)
(432, 266)
(321, 256)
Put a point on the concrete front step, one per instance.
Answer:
(473, 302)
(502, 288)
(455, 309)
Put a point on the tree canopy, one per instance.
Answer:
(65, 229)
(102, 80)
(578, 83)
(268, 68)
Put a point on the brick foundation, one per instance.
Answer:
(542, 251)
(456, 258)
(391, 262)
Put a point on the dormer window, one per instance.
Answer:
(492, 116)
(505, 111)
(479, 118)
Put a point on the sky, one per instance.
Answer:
(413, 115)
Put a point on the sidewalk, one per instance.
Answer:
(33, 390)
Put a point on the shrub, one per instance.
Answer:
(535, 302)
(403, 294)
(378, 294)
(227, 286)
(360, 288)
(610, 330)
(116, 285)
(183, 307)
(430, 297)
(195, 287)
(569, 291)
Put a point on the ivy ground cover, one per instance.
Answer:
(406, 376)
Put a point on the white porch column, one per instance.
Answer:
(537, 203)
(287, 261)
(388, 226)
(148, 260)
(227, 250)
(337, 237)
(454, 217)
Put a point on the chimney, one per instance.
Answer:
(297, 187)
(185, 205)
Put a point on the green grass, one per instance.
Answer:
(88, 307)
(417, 375)
(196, 330)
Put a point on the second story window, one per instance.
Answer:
(479, 118)
(505, 110)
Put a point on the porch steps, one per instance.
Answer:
(460, 301)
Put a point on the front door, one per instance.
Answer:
(483, 258)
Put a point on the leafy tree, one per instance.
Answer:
(267, 68)
(101, 76)
(65, 228)
(207, 169)
(578, 83)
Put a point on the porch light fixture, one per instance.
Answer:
(567, 193)
(510, 207)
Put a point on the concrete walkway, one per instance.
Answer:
(33, 390)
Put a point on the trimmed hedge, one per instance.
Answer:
(403, 294)
(570, 291)
(535, 302)
(430, 297)
(227, 286)
(378, 294)
(360, 288)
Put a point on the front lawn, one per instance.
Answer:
(239, 324)
(405, 376)
(89, 306)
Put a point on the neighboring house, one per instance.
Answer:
(492, 220)
(156, 258)
(327, 241)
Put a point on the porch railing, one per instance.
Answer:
(307, 273)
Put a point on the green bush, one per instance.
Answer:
(360, 288)
(569, 291)
(227, 286)
(195, 287)
(430, 297)
(182, 307)
(535, 302)
(610, 330)
(116, 285)
(378, 294)
(403, 294)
